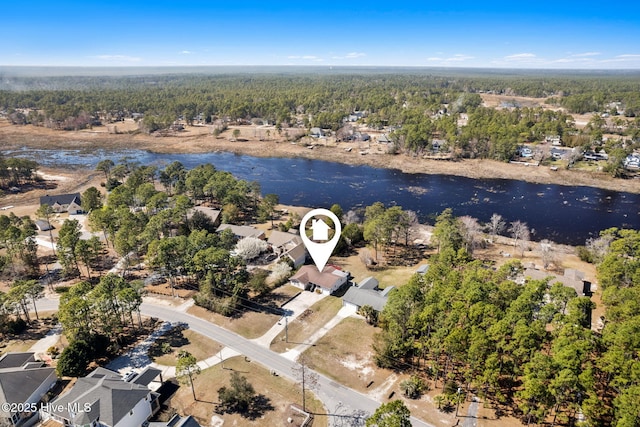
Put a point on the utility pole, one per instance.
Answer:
(458, 399)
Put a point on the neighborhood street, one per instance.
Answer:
(331, 394)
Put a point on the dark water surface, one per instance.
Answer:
(564, 214)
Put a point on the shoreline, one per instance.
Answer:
(198, 140)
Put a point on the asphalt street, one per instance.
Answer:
(332, 394)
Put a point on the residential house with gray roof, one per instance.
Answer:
(104, 399)
(23, 381)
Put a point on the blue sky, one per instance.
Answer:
(542, 34)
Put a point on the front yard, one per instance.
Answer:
(279, 393)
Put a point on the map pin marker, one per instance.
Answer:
(320, 252)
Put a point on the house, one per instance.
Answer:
(316, 133)
(320, 230)
(553, 140)
(213, 214)
(43, 225)
(328, 281)
(177, 421)
(290, 245)
(384, 139)
(242, 231)
(367, 293)
(63, 203)
(558, 153)
(571, 278)
(632, 161)
(103, 398)
(355, 116)
(23, 381)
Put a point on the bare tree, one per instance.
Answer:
(547, 253)
(471, 231)
(519, 231)
(496, 225)
(307, 378)
(351, 217)
(598, 247)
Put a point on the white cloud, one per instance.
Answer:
(350, 55)
(520, 57)
(186, 52)
(306, 57)
(459, 57)
(435, 58)
(118, 58)
(581, 55)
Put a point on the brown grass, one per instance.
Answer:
(198, 345)
(197, 140)
(389, 276)
(250, 325)
(280, 392)
(301, 328)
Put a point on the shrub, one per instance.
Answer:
(413, 387)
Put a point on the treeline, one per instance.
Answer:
(278, 98)
(15, 171)
(525, 348)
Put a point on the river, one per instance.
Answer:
(563, 214)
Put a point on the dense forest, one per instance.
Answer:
(415, 108)
(527, 348)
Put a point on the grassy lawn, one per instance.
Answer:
(305, 325)
(279, 392)
(199, 346)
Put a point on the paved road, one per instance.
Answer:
(472, 420)
(331, 394)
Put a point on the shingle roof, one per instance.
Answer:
(147, 376)
(360, 297)
(242, 230)
(310, 274)
(61, 199)
(20, 377)
(113, 396)
(15, 360)
(280, 238)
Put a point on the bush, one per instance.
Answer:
(413, 387)
(74, 359)
(53, 351)
(16, 327)
(584, 254)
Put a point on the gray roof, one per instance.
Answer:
(242, 230)
(368, 283)
(147, 376)
(15, 360)
(360, 297)
(61, 199)
(423, 269)
(19, 381)
(213, 214)
(177, 421)
(111, 397)
(571, 279)
(280, 238)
